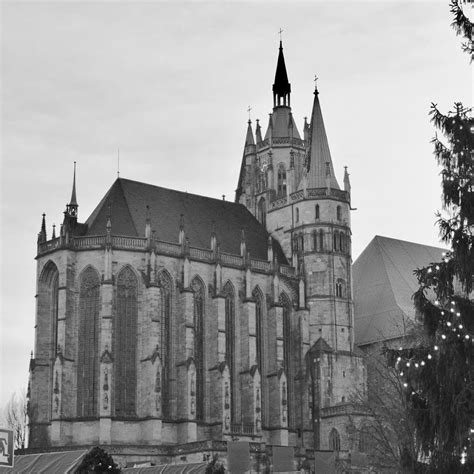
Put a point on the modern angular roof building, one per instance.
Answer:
(384, 283)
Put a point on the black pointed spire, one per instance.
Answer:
(281, 86)
(71, 208)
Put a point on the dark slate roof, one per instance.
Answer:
(384, 284)
(126, 201)
(319, 153)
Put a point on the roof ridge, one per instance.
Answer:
(185, 193)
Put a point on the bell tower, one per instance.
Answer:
(272, 165)
(290, 185)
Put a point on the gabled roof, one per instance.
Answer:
(321, 346)
(384, 284)
(126, 202)
(319, 154)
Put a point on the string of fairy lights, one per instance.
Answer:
(450, 331)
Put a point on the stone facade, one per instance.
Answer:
(147, 342)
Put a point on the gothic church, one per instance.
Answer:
(168, 323)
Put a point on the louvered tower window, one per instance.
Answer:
(281, 181)
(125, 343)
(88, 363)
(198, 298)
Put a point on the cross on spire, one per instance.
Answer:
(280, 32)
(249, 110)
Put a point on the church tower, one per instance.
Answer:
(289, 184)
(271, 166)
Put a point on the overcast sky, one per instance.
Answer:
(169, 84)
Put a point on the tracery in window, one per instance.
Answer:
(286, 314)
(228, 293)
(198, 299)
(257, 295)
(334, 440)
(125, 343)
(88, 363)
(165, 284)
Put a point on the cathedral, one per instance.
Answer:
(170, 324)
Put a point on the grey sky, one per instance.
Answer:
(170, 83)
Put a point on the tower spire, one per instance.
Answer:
(281, 86)
(318, 163)
(71, 208)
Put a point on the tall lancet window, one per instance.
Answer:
(198, 323)
(281, 181)
(316, 211)
(87, 362)
(165, 340)
(46, 344)
(285, 302)
(228, 293)
(257, 294)
(125, 343)
(262, 211)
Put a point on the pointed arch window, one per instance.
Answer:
(165, 340)
(260, 345)
(262, 211)
(46, 348)
(88, 361)
(281, 181)
(198, 323)
(321, 240)
(338, 213)
(286, 314)
(228, 293)
(316, 211)
(315, 240)
(335, 240)
(297, 215)
(340, 288)
(125, 344)
(334, 440)
(341, 241)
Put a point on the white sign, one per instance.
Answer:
(6, 447)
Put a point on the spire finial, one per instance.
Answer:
(249, 110)
(280, 32)
(54, 232)
(316, 84)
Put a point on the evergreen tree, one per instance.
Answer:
(97, 460)
(438, 373)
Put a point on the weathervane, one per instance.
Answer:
(248, 110)
(280, 32)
